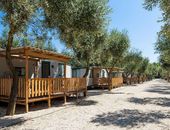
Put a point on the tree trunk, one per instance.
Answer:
(14, 88)
(131, 79)
(109, 79)
(125, 76)
(107, 73)
(86, 73)
(138, 79)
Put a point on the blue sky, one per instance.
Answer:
(142, 25)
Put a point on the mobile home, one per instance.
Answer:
(43, 75)
(99, 76)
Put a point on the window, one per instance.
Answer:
(103, 74)
(20, 71)
(60, 70)
(74, 73)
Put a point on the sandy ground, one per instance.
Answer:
(138, 107)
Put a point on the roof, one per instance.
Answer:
(36, 53)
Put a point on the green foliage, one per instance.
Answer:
(73, 62)
(154, 70)
(105, 50)
(75, 16)
(163, 42)
(17, 13)
(163, 48)
(80, 25)
(143, 66)
(132, 62)
(115, 48)
(3, 39)
(23, 40)
(87, 49)
(163, 4)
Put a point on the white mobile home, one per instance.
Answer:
(41, 68)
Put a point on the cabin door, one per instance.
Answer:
(45, 69)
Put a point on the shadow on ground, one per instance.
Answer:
(164, 102)
(8, 121)
(159, 89)
(130, 118)
(98, 92)
(86, 103)
(20, 109)
(101, 92)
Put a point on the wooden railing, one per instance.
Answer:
(21, 88)
(101, 81)
(74, 84)
(116, 82)
(5, 87)
(57, 85)
(40, 87)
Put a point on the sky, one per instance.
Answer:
(142, 25)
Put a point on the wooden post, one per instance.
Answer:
(65, 98)
(77, 85)
(49, 92)
(65, 93)
(26, 82)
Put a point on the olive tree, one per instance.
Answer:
(17, 15)
(131, 63)
(79, 24)
(116, 47)
(68, 19)
(142, 68)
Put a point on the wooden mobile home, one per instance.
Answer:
(99, 76)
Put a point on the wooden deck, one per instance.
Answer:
(40, 89)
(117, 82)
(109, 83)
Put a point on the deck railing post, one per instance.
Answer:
(77, 84)
(26, 84)
(64, 83)
(49, 92)
(65, 90)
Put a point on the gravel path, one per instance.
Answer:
(139, 107)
